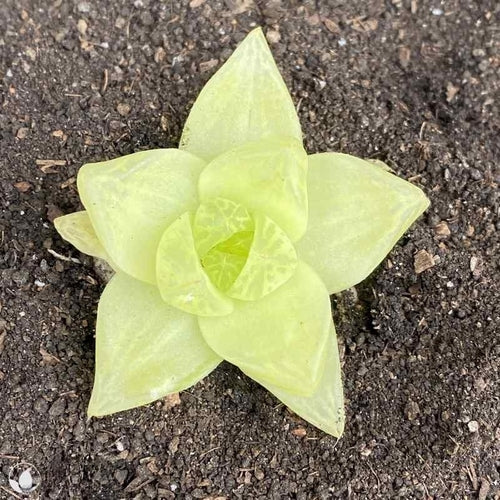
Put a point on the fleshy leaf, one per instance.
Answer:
(181, 279)
(132, 200)
(145, 349)
(357, 213)
(268, 176)
(78, 230)
(224, 262)
(271, 262)
(279, 339)
(246, 100)
(325, 408)
(217, 220)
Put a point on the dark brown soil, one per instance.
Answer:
(414, 83)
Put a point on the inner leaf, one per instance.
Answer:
(216, 221)
(224, 262)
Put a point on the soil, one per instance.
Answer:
(413, 83)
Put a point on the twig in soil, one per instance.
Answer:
(68, 182)
(421, 133)
(10, 457)
(10, 492)
(105, 82)
(207, 452)
(375, 474)
(63, 257)
(46, 166)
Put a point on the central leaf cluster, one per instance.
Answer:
(224, 262)
(238, 242)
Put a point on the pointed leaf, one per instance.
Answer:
(145, 349)
(325, 408)
(357, 213)
(268, 176)
(271, 262)
(218, 219)
(78, 230)
(246, 100)
(132, 200)
(182, 281)
(279, 339)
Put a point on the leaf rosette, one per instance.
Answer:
(228, 248)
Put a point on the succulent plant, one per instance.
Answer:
(229, 247)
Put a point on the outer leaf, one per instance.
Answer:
(132, 200)
(217, 220)
(271, 262)
(325, 408)
(145, 349)
(78, 230)
(181, 279)
(357, 213)
(246, 100)
(279, 339)
(269, 176)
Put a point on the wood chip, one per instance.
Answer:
(423, 260)
(370, 24)
(159, 55)
(137, 484)
(476, 266)
(171, 400)
(442, 229)
(2, 341)
(123, 108)
(451, 91)
(164, 123)
(59, 134)
(299, 432)
(23, 186)
(173, 446)
(208, 65)
(331, 26)
(484, 490)
(404, 56)
(48, 359)
(22, 133)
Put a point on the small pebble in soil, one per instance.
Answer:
(473, 426)
(123, 108)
